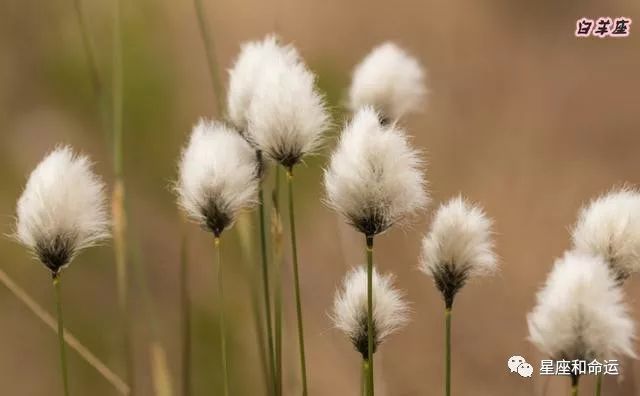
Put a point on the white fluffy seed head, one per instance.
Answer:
(580, 312)
(374, 178)
(458, 246)
(254, 58)
(390, 80)
(62, 209)
(287, 116)
(390, 311)
(609, 226)
(218, 176)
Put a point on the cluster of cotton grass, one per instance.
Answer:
(276, 115)
(375, 181)
(580, 312)
(61, 211)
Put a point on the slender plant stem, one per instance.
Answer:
(296, 279)
(186, 316)
(210, 53)
(574, 385)
(363, 377)
(370, 329)
(265, 280)
(69, 338)
(63, 355)
(118, 208)
(447, 347)
(276, 232)
(222, 329)
(599, 385)
(574, 390)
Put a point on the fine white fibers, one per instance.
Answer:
(374, 178)
(390, 311)
(287, 115)
(610, 227)
(390, 80)
(62, 208)
(459, 241)
(580, 313)
(218, 176)
(254, 58)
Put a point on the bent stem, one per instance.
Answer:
(223, 336)
(296, 278)
(265, 280)
(63, 356)
(447, 347)
(370, 329)
(599, 385)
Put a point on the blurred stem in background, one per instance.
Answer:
(210, 52)
(296, 280)
(599, 385)
(63, 355)
(186, 314)
(276, 235)
(223, 338)
(69, 338)
(370, 330)
(118, 200)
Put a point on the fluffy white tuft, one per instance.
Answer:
(580, 313)
(218, 176)
(390, 80)
(287, 115)
(610, 227)
(390, 311)
(254, 58)
(374, 177)
(459, 244)
(62, 209)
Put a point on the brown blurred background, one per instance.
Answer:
(523, 118)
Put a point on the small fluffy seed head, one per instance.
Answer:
(287, 116)
(62, 209)
(390, 311)
(390, 80)
(254, 58)
(218, 176)
(609, 226)
(458, 246)
(374, 177)
(580, 312)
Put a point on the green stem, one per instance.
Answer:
(363, 377)
(222, 329)
(370, 329)
(265, 279)
(186, 317)
(277, 264)
(296, 279)
(574, 385)
(210, 53)
(63, 355)
(599, 384)
(447, 344)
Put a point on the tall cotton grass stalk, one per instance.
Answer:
(210, 52)
(218, 178)
(457, 248)
(351, 307)
(286, 119)
(60, 212)
(391, 81)
(609, 226)
(374, 180)
(591, 323)
(71, 341)
(277, 254)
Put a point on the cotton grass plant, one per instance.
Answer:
(580, 314)
(61, 211)
(350, 312)
(457, 248)
(374, 180)
(218, 178)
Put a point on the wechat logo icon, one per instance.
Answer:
(518, 364)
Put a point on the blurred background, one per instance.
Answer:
(523, 118)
